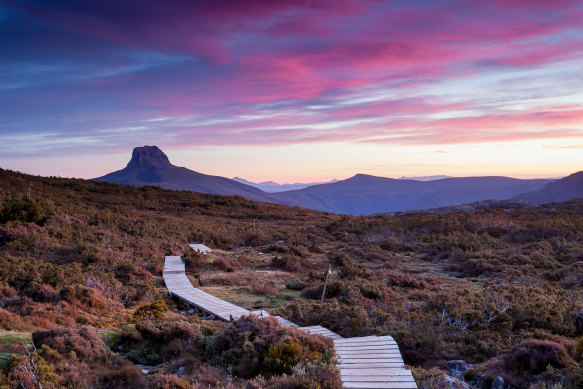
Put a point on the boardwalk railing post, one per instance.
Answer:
(325, 284)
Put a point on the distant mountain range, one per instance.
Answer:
(364, 194)
(358, 195)
(274, 187)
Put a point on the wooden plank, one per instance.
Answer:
(378, 378)
(384, 337)
(354, 345)
(375, 371)
(387, 357)
(341, 342)
(357, 340)
(365, 354)
(380, 385)
(371, 365)
(367, 349)
(357, 346)
(369, 360)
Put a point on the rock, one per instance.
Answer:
(457, 368)
(145, 369)
(179, 372)
(453, 383)
(498, 383)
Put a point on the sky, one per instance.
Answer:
(294, 91)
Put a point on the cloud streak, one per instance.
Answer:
(264, 72)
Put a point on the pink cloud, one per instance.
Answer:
(312, 71)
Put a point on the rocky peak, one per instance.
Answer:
(148, 156)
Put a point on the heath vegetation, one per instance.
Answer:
(83, 303)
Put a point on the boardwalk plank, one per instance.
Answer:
(377, 378)
(372, 362)
(375, 371)
(380, 385)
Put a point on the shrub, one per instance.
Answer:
(193, 260)
(252, 345)
(147, 356)
(312, 376)
(167, 381)
(224, 264)
(267, 288)
(84, 341)
(295, 284)
(120, 373)
(78, 295)
(43, 293)
(33, 371)
(26, 210)
(289, 263)
(151, 315)
(533, 355)
(281, 358)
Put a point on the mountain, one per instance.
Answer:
(568, 188)
(364, 194)
(424, 178)
(359, 195)
(274, 187)
(150, 166)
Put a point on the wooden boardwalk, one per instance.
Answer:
(372, 362)
(369, 362)
(180, 286)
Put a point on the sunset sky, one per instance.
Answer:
(294, 91)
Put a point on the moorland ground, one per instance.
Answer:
(83, 302)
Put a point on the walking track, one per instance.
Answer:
(369, 362)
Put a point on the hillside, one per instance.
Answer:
(568, 188)
(365, 195)
(499, 289)
(150, 166)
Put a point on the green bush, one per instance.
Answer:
(295, 284)
(147, 356)
(26, 210)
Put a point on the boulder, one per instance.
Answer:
(453, 383)
(498, 383)
(457, 368)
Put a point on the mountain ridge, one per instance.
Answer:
(366, 194)
(361, 194)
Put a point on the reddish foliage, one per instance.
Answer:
(533, 355)
(84, 341)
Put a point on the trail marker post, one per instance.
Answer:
(325, 284)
